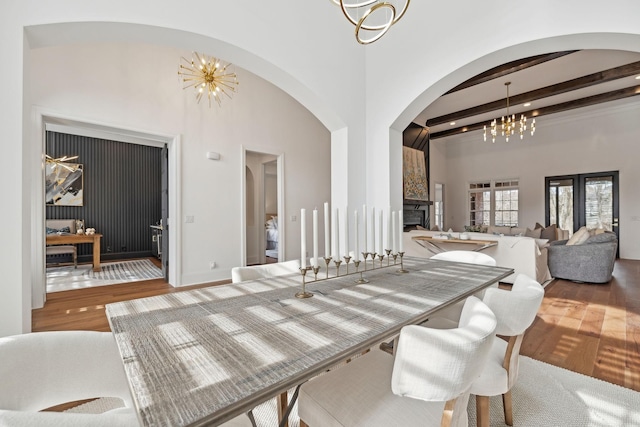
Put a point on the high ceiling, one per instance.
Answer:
(552, 83)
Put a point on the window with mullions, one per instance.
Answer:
(494, 203)
(506, 205)
(480, 203)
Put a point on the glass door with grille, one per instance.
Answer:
(585, 199)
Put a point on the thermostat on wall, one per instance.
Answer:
(212, 155)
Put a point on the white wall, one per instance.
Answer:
(593, 139)
(136, 86)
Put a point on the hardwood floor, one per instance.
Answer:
(591, 329)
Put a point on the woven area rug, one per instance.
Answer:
(544, 396)
(68, 278)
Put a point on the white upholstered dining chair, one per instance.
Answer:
(45, 369)
(426, 384)
(264, 271)
(470, 257)
(515, 311)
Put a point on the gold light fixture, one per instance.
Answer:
(209, 75)
(508, 125)
(371, 17)
(60, 161)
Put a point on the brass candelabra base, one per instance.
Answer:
(304, 293)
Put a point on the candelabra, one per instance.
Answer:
(356, 262)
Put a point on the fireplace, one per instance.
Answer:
(416, 215)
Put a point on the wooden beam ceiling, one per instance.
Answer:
(557, 89)
(509, 68)
(551, 109)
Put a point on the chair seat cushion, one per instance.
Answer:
(60, 249)
(494, 380)
(359, 394)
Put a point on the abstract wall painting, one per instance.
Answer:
(64, 184)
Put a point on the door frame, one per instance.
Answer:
(43, 118)
(243, 201)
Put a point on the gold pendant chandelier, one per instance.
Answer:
(372, 18)
(209, 75)
(508, 126)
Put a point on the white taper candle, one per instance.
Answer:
(327, 231)
(336, 236)
(346, 232)
(401, 230)
(364, 227)
(333, 234)
(394, 247)
(357, 234)
(389, 241)
(373, 230)
(380, 248)
(303, 238)
(315, 237)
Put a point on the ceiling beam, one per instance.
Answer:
(551, 109)
(556, 89)
(509, 68)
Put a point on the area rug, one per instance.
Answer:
(544, 396)
(68, 278)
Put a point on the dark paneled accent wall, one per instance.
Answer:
(122, 193)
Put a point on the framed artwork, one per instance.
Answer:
(414, 175)
(63, 184)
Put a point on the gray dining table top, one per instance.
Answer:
(204, 356)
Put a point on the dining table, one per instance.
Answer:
(205, 356)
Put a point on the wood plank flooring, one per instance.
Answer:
(591, 329)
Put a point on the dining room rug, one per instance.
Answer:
(544, 396)
(112, 273)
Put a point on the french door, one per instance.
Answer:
(591, 199)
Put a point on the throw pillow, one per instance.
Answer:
(579, 237)
(535, 233)
(56, 231)
(549, 233)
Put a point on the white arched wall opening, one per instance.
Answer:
(51, 35)
(393, 145)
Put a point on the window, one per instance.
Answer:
(480, 203)
(506, 207)
(494, 203)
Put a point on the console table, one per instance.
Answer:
(436, 245)
(73, 239)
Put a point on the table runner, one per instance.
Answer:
(206, 355)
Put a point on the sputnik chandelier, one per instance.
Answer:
(209, 75)
(508, 126)
(372, 18)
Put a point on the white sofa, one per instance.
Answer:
(525, 255)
